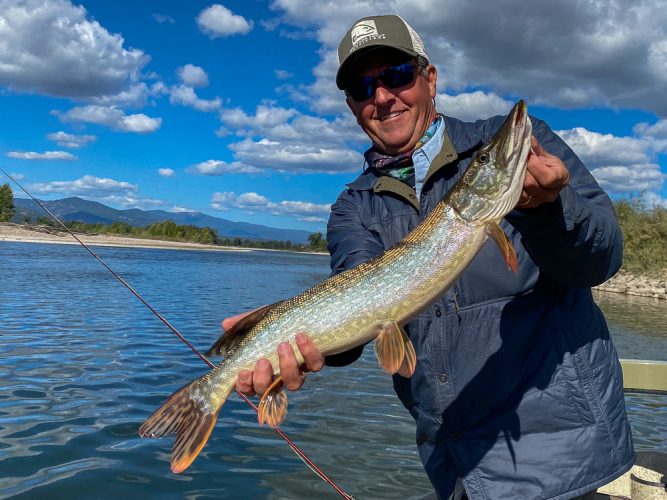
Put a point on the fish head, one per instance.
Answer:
(492, 184)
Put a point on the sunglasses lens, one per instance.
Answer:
(362, 89)
(393, 78)
(398, 76)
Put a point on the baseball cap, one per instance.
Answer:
(373, 32)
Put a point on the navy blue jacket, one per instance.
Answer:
(518, 388)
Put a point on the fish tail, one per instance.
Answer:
(189, 414)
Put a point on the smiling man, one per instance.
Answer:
(517, 391)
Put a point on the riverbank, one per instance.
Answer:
(46, 234)
(623, 282)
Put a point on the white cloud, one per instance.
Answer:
(111, 117)
(282, 139)
(104, 190)
(87, 185)
(282, 74)
(218, 21)
(181, 210)
(472, 106)
(632, 178)
(218, 167)
(193, 76)
(72, 56)
(186, 96)
(621, 52)
(256, 203)
(48, 155)
(163, 18)
(597, 149)
(166, 172)
(70, 140)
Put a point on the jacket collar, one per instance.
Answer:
(461, 140)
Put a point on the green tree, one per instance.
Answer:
(317, 242)
(7, 209)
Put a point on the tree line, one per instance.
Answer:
(644, 233)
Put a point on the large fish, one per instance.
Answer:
(370, 301)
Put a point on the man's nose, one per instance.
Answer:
(383, 94)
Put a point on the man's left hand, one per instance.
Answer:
(545, 178)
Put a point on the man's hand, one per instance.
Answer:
(257, 381)
(545, 178)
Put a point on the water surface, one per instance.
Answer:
(83, 363)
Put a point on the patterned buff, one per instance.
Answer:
(399, 166)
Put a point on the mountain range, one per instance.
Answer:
(92, 212)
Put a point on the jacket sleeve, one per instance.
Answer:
(350, 244)
(576, 241)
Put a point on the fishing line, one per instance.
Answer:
(304, 458)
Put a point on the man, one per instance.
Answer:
(517, 391)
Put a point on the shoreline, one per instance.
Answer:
(623, 282)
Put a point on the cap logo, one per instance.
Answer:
(363, 32)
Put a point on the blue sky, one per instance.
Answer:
(231, 108)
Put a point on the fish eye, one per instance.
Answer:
(483, 158)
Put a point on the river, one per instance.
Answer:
(83, 363)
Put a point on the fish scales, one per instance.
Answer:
(373, 299)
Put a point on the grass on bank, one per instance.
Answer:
(644, 237)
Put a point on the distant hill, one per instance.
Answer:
(92, 212)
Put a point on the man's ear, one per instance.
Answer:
(432, 79)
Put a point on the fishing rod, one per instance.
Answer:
(304, 458)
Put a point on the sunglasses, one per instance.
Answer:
(393, 78)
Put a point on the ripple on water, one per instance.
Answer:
(83, 365)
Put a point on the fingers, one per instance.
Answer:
(256, 382)
(227, 323)
(546, 176)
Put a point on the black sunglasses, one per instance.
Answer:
(393, 77)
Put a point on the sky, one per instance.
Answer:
(231, 108)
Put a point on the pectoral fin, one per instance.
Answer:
(410, 359)
(505, 246)
(394, 350)
(273, 404)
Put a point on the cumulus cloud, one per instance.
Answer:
(75, 56)
(218, 21)
(192, 75)
(633, 178)
(597, 149)
(257, 203)
(282, 139)
(88, 185)
(48, 155)
(166, 172)
(219, 167)
(104, 190)
(473, 105)
(72, 141)
(111, 117)
(186, 96)
(619, 164)
(621, 49)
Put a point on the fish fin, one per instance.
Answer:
(390, 347)
(505, 246)
(409, 359)
(273, 404)
(189, 417)
(230, 339)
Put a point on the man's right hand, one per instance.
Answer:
(256, 382)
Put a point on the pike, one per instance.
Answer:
(370, 301)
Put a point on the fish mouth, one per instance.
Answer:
(512, 144)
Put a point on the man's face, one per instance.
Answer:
(394, 119)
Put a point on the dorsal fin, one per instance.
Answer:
(231, 339)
